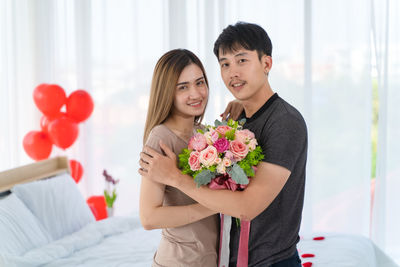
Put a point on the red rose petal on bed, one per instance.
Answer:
(307, 255)
(307, 264)
(319, 238)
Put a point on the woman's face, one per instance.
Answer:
(191, 92)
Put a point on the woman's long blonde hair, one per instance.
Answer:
(163, 86)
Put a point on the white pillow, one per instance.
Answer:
(57, 203)
(20, 230)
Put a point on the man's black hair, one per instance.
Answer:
(243, 35)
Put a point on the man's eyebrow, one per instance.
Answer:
(198, 79)
(222, 59)
(237, 55)
(241, 54)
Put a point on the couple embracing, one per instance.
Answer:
(273, 200)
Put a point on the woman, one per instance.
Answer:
(178, 98)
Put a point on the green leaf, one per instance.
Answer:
(200, 131)
(242, 121)
(204, 177)
(110, 199)
(184, 161)
(230, 135)
(238, 175)
(217, 123)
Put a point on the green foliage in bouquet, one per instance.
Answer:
(252, 159)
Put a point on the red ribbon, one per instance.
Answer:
(243, 252)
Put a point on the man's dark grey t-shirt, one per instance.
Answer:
(282, 134)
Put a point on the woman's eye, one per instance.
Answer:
(200, 82)
(183, 87)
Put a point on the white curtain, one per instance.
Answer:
(386, 216)
(322, 65)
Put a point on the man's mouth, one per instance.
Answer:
(237, 85)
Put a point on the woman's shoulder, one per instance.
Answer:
(159, 132)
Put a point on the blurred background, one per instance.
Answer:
(338, 62)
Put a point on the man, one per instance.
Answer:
(273, 200)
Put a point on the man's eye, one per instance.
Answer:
(242, 60)
(223, 65)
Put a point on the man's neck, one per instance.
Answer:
(252, 105)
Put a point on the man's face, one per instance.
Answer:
(244, 74)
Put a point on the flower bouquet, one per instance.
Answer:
(221, 156)
(224, 156)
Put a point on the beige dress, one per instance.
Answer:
(194, 244)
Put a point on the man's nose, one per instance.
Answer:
(233, 71)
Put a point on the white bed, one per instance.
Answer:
(39, 228)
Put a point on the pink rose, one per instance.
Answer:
(238, 149)
(221, 168)
(221, 145)
(194, 161)
(227, 162)
(211, 136)
(208, 156)
(252, 144)
(223, 129)
(197, 142)
(244, 136)
(229, 155)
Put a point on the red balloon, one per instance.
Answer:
(79, 105)
(49, 98)
(76, 170)
(63, 132)
(45, 120)
(37, 145)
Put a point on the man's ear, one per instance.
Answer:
(267, 63)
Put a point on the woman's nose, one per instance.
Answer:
(194, 92)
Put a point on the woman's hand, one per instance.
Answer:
(232, 110)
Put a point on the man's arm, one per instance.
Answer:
(153, 215)
(246, 205)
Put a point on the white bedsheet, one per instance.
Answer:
(118, 241)
(343, 250)
(121, 241)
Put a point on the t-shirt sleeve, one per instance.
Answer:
(154, 138)
(284, 140)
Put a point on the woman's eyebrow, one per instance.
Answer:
(182, 83)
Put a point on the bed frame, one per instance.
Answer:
(32, 172)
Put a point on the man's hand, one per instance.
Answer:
(232, 110)
(157, 167)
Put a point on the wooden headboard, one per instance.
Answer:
(32, 172)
